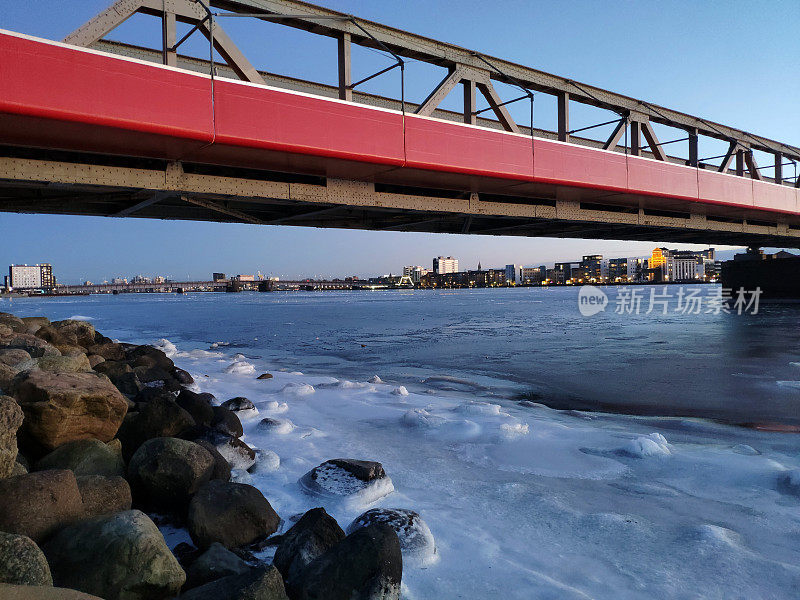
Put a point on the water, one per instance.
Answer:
(524, 500)
(512, 341)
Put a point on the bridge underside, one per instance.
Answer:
(59, 182)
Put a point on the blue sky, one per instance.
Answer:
(731, 62)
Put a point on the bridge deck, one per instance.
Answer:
(56, 96)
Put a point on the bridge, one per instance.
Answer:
(90, 126)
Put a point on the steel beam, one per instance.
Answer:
(652, 141)
(616, 135)
(752, 167)
(500, 111)
(242, 216)
(439, 93)
(636, 138)
(694, 156)
(345, 67)
(729, 156)
(168, 39)
(470, 102)
(778, 168)
(156, 197)
(563, 116)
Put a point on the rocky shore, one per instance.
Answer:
(102, 443)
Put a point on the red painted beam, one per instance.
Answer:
(59, 96)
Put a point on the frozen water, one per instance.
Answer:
(524, 501)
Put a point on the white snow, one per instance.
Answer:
(240, 367)
(530, 502)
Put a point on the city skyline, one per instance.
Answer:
(587, 53)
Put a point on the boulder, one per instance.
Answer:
(153, 375)
(367, 565)
(348, 480)
(59, 364)
(222, 468)
(21, 562)
(63, 407)
(265, 376)
(121, 375)
(35, 323)
(182, 377)
(267, 461)
(95, 359)
(233, 514)
(214, 563)
(18, 469)
(238, 454)
(103, 495)
(108, 350)
(276, 426)
(7, 374)
(86, 457)
(41, 592)
(197, 405)
(416, 539)
(226, 421)
(13, 357)
(10, 420)
(148, 393)
(239, 403)
(256, 584)
(77, 333)
(37, 504)
(116, 557)
(148, 356)
(314, 534)
(14, 323)
(166, 472)
(33, 345)
(160, 417)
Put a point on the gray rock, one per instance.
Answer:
(166, 472)
(197, 405)
(41, 592)
(117, 557)
(416, 539)
(59, 364)
(238, 454)
(10, 420)
(314, 534)
(257, 584)
(347, 479)
(214, 563)
(238, 403)
(104, 495)
(38, 504)
(160, 417)
(222, 468)
(86, 457)
(13, 357)
(226, 421)
(63, 407)
(21, 561)
(367, 565)
(233, 514)
(182, 377)
(32, 344)
(121, 375)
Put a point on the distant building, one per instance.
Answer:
(534, 275)
(513, 274)
(445, 264)
(141, 279)
(244, 278)
(31, 277)
(617, 269)
(119, 280)
(416, 273)
(636, 269)
(218, 277)
(591, 267)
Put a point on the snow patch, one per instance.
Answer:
(654, 444)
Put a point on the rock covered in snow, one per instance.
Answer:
(654, 444)
(279, 426)
(356, 482)
(789, 482)
(298, 389)
(400, 391)
(416, 539)
(267, 461)
(238, 454)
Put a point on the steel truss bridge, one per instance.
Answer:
(90, 126)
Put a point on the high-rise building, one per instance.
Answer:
(534, 275)
(514, 274)
(31, 277)
(618, 269)
(415, 272)
(591, 266)
(445, 264)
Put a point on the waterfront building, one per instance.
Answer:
(617, 269)
(119, 280)
(513, 274)
(445, 264)
(30, 277)
(416, 273)
(591, 267)
(636, 268)
(534, 275)
(218, 277)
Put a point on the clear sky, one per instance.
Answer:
(731, 62)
